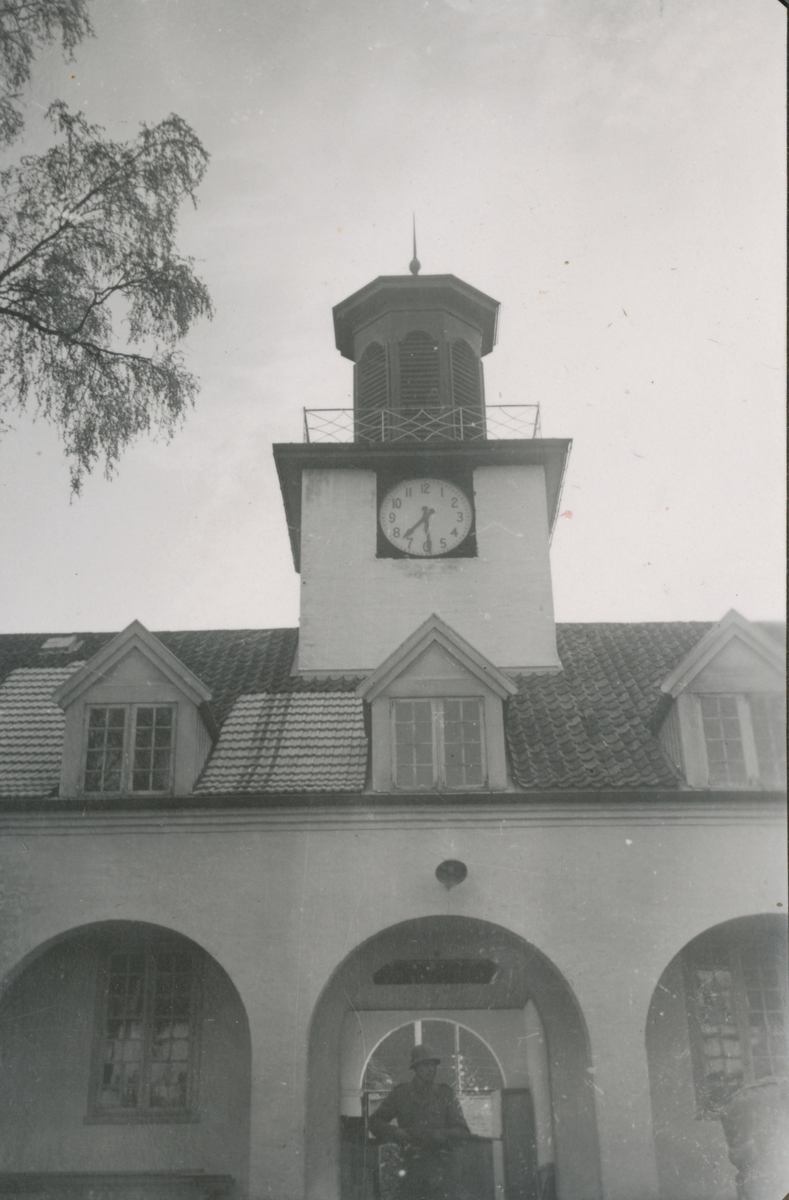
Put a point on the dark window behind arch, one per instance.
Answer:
(419, 370)
(737, 1003)
(465, 375)
(373, 387)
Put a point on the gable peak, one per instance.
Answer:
(435, 631)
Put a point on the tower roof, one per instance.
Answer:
(414, 293)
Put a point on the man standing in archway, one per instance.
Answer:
(430, 1123)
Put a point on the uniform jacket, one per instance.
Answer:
(420, 1113)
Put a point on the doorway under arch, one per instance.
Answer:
(473, 974)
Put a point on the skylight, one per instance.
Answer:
(63, 643)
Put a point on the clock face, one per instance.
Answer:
(425, 518)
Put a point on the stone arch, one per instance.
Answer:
(55, 1035)
(523, 974)
(709, 1016)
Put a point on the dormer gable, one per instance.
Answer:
(136, 721)
(726, 727)
(437, 715)
(735, 653)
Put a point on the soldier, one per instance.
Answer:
(430, 1122)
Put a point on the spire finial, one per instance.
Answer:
(414, 264)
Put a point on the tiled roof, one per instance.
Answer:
(230, 662)
(592, 725)
(290, 743)
(31, 731)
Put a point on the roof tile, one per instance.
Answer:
(290, 743)
(592, 725)
(31, 730)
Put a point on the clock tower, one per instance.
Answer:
(421, 500)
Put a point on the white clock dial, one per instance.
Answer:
(425, 517)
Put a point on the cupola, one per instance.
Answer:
(421, 500)
(417, 343)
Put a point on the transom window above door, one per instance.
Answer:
(467, 1064)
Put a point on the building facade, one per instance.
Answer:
(245, 871)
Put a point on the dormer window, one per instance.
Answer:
(137, 721)
(438, 743)
(727, 726)
(437, 715)
(129, 748)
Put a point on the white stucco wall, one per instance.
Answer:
(281, 898)
(356, 608)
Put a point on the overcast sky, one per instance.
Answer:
(609, 170)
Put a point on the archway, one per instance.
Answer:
(126, 1050)
(717, 1020)
(471, 972)
(503, 1160)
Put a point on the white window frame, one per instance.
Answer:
(127, 754)
(439, 757)
(742, 699)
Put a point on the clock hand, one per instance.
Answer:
(428, 544)
(423, 520)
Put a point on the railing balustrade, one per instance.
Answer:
(493, 423)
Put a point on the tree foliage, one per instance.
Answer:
(87, 240)
(25, 26)
(94, 296)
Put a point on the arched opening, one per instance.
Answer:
(524, 1015)
(126, 1051)
(467, 400)
(717, 1022)
(372, 382)
(503, 1161)
(419, 371)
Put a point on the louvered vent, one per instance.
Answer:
(373, 389)
(419, 370)
(465, 375)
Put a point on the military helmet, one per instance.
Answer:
(423, 1053)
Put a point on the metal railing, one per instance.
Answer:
(494, 422)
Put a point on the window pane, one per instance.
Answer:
(123, 1033)
(389, 1064)
(766, 1010)
(768, 717)
(463, 743)
(478, 1070)
(725, 757)
(104, 757)
(172, 1031)
(713, 1000)
(414, 758)
(153, 749)
(148, 1032)
(739, 1013)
